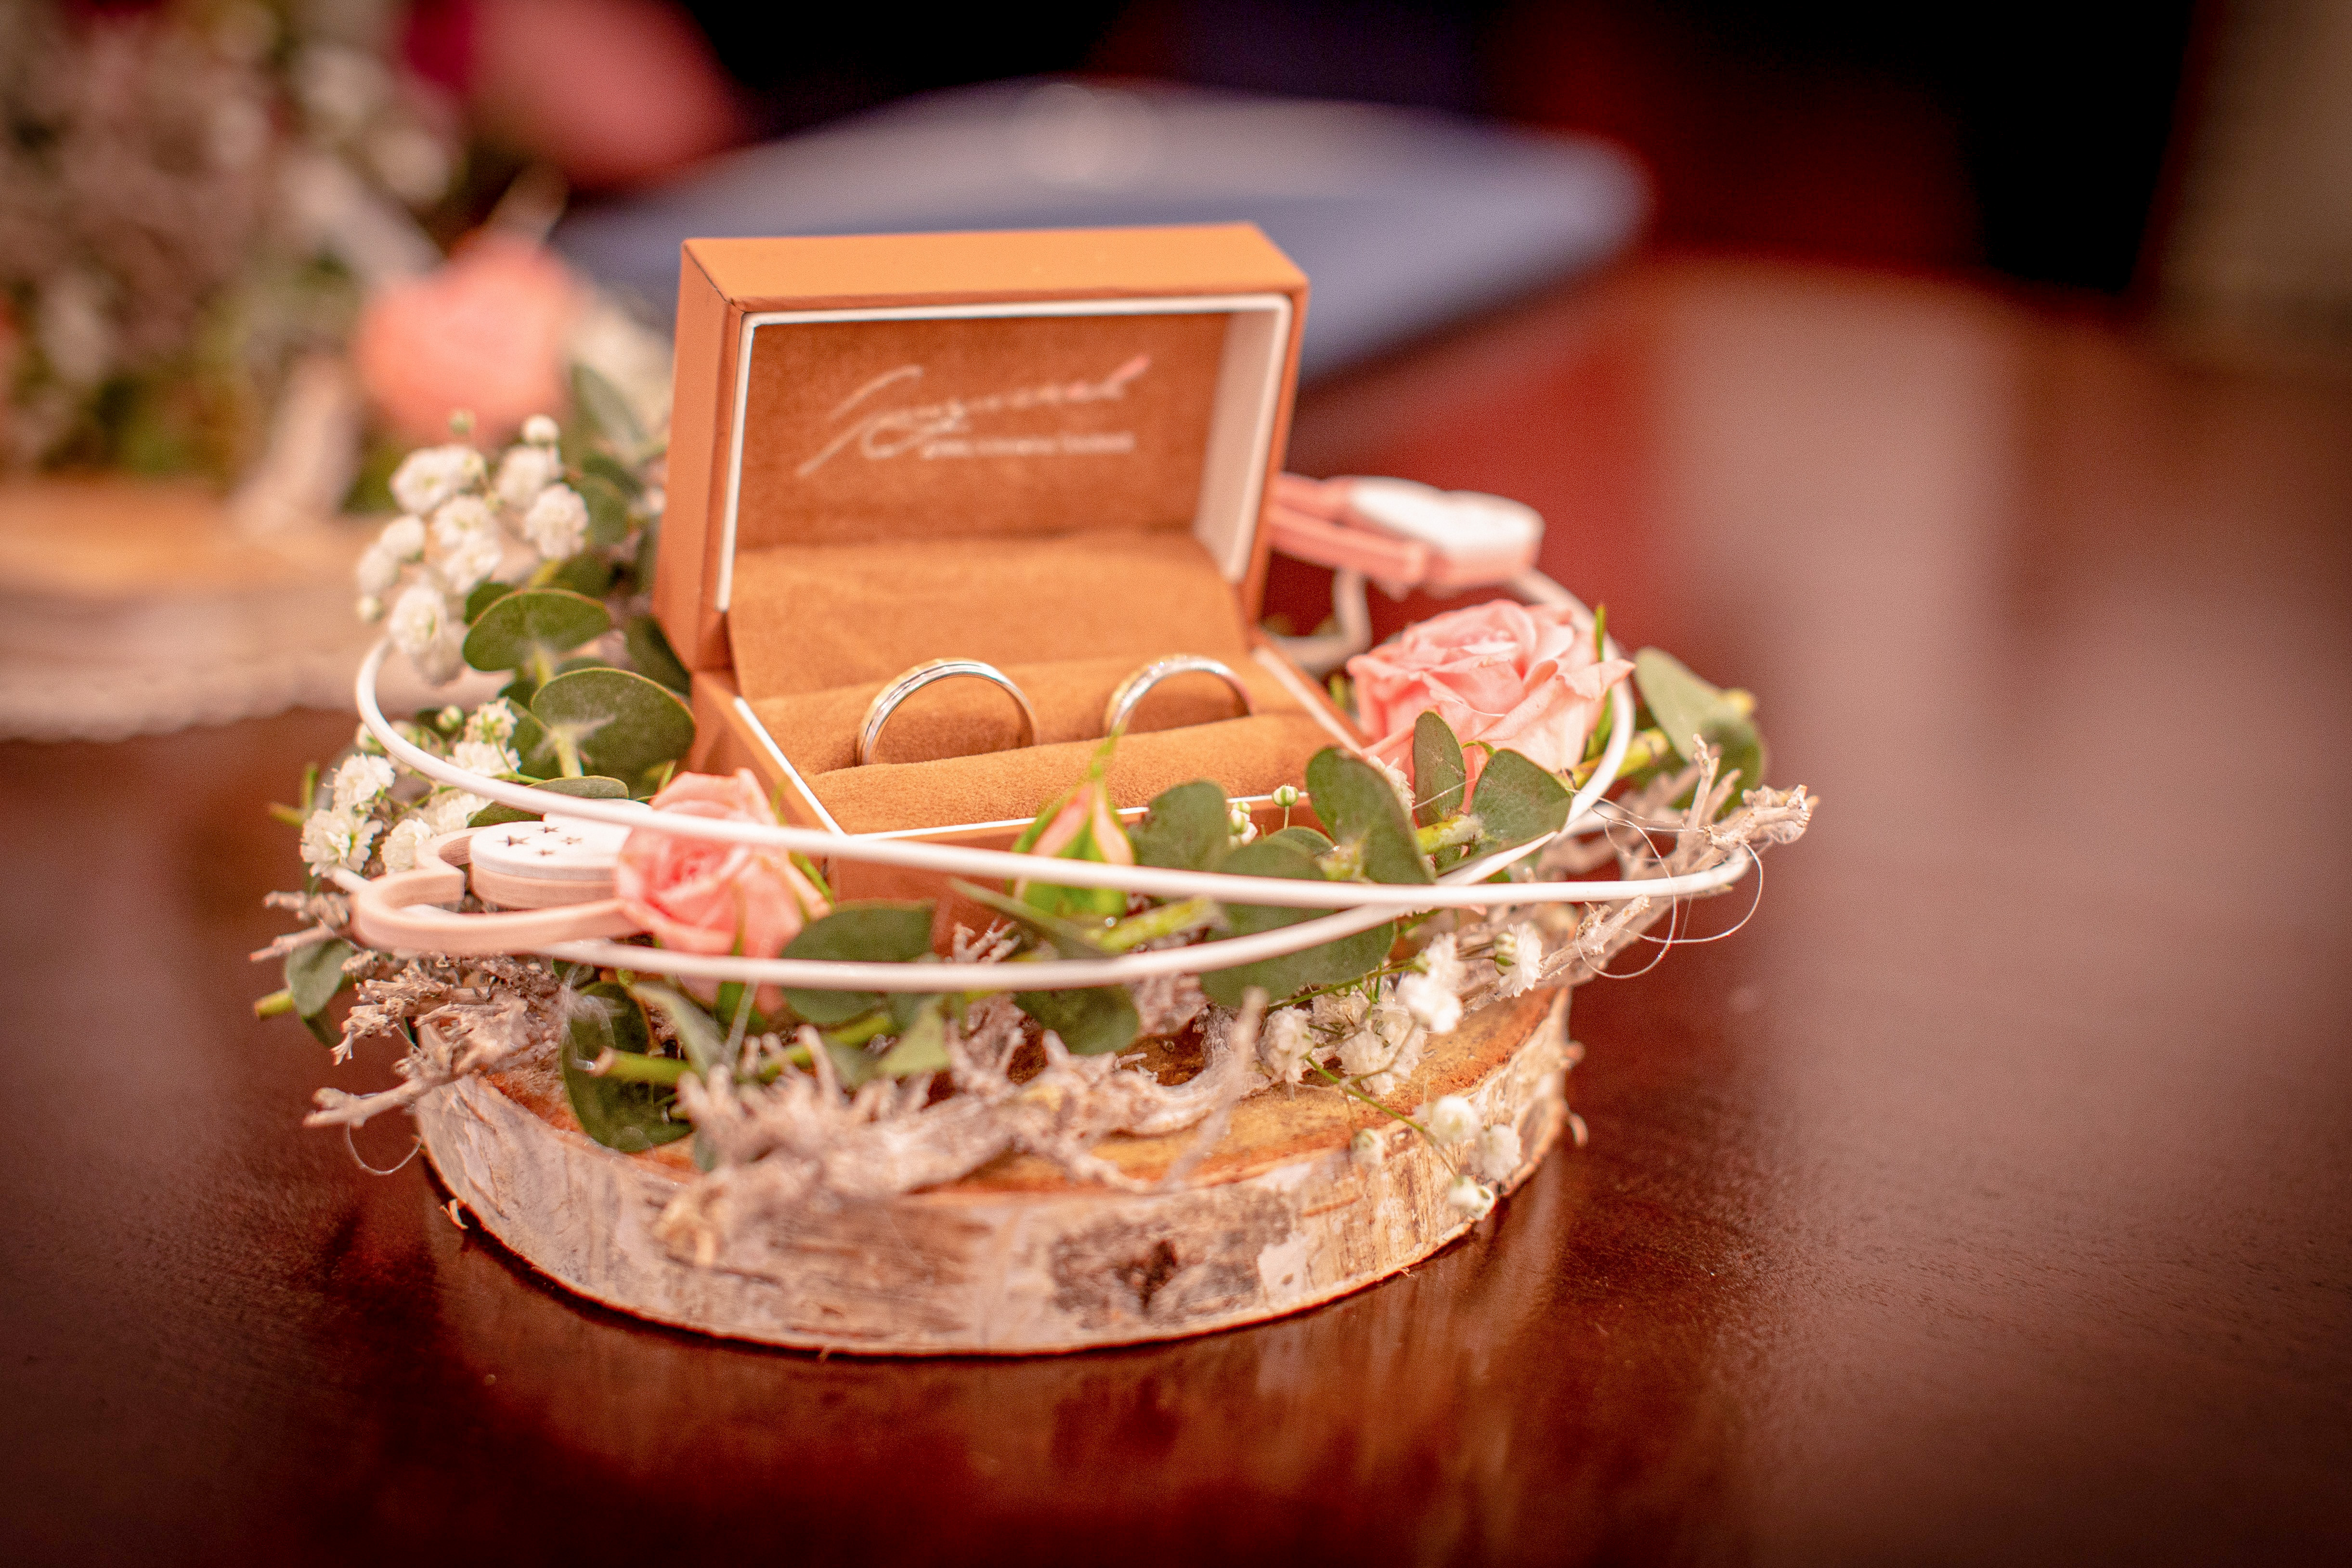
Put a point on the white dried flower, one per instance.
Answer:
(360, 782)
(1239, 829)
(539, 431)
(1385, 1051)
(369, 608)
(403, 538)
(400, 846)
(1498, 1153)
(557, 523)
(331, 838)
(446, 810)
(525, 471)
(1340, 1012)
(1285, 796)
(1520, 952)
(1398, 782)
(1443, 963)
(1432, 1005)
(495, 720)
(432, 475)
(466, 534)
(484, 757)
(1452, 1120)
(423, 629)
(1368, 1148)
(1285, 1043)
(377, 573)
(1465, 1193)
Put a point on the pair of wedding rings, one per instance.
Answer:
(1121, 707)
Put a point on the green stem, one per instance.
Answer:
(1353, 1092)
(1167, 920)
(1341, 862)
(858, 1031)
(542, 667)
(567, 754)
(276, 1004)
(1462, 828)
(1644, 749)
(632, 1067)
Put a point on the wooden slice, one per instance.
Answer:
(1017, 1258)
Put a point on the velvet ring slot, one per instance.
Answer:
(930, 673)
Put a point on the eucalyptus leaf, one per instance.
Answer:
(593, 787)
(532, 628)
(650, 652)
(1439, 779)
(617, 1114)
(608, 511)
(1684, 705)
(1330, 964)
(484, 595)
(619, 723)
(878, 932)
(613, 472)
(605, 407)
(702, 1040)
(314, 973)
(1300, 838)
(1183, 829)
(1518, 800)
(588, 574)
(1360, 811)
(1090, 1022)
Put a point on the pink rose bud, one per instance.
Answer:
(1520, 677)
(1082, 826)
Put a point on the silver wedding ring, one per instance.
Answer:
(885, 701)
(1132, 690)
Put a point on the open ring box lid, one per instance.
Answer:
(1046, 450)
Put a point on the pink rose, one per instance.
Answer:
(1518, 677)
(702, 896)
(485, 333)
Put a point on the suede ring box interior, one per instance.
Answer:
(1046, 450)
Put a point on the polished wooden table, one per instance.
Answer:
(1989, 1198)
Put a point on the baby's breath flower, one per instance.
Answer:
(1368, 1148)
(1285, 1044)
(1497, 1154)
(432, 475)
(1520, 952)
(446, 810)
(525, 471)
(495, 720)
(484, 757)
(360, 782)
(1433, 996)
(377, 571)
(403, 538)
(400, 845)
(1285, 796)
(333, 838)
(467, 535)
(1452, 1120)
(1466, 1194)
(1239, 829)
(557, 522)
(369, 608)
(1338, 1012)
(539, 430)
(423, 629)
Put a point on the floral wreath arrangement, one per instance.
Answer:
(671, 1067)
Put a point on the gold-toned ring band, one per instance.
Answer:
(885, 701)
(1132, 690)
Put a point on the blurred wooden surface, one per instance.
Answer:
(1989, 1196)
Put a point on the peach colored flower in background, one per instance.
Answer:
(699, 896)
(484, 332)
(1520, 677)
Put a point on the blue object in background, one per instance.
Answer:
(1404, 219)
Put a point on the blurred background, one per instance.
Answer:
(251, 251)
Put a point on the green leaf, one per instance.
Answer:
(617, 1114)
(602, 406)
(613, 472)
(878, 932)
(608, 511)
(587, 574)
(1090, 1022)
(1183, 829)
(315, 972)
(1439, 779)
(701, 1038)
(1518, 800)
(593, 787)
(922, 1048)
(852, 1064)
(650, 652)
(533, 628)
(484, 595)
(1684, 705)
(1330, 964)
(620, 724)
(1305, 839)
(1360, 811)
